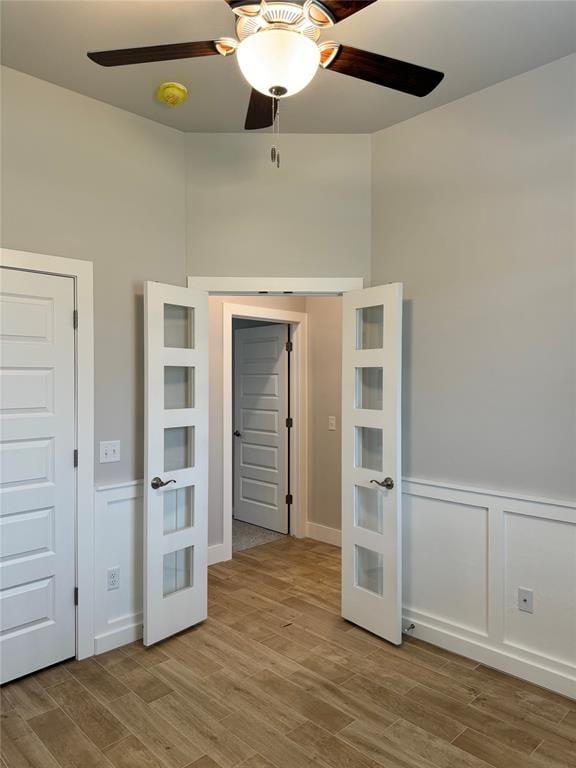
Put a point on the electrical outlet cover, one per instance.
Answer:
(525, 600)
(113, 578)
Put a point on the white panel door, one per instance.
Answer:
(260, 434)
(371, 460)
(37, 475)
(176, 465)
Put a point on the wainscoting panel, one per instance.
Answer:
(118, 542)
(445, 561)
(467, 552)
(119, 515)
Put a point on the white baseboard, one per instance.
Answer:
(216, 554)
(123, 635)
(324, 533)
(494, 657)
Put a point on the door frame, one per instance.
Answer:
(298, 447)
(259, 286)
(82, 274)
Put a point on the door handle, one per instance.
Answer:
(387, 483)
(237, 434)
(157, 482)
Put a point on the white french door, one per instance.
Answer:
(260, 432)
(371, 460)
(176, 463)
(37, 475)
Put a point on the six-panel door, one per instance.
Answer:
(37, 475)
(261, 436)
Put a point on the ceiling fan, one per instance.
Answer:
(278, 50)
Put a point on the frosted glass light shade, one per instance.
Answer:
(278, 58)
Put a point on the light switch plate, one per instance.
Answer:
(109, 451)
(525, 600)
(331, 423)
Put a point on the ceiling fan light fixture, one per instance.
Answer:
(278, 62)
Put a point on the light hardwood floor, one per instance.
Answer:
(276, 678)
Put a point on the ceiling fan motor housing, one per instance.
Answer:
(308, 18)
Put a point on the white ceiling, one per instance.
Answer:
(475, 42)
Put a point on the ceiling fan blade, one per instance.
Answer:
(154, 53)
(382, 70)
(341, 9)
(260, 114)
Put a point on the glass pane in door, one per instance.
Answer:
(178, 386)
(369, 448)
(178, 508)
(369, 570)
(369, 388)
(178, 569)
(368, 508)
(178, 326)
(178, 448)
(370, 327)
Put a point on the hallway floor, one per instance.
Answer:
(276, 679)
(246, 536)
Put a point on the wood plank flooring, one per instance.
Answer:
(276, 679)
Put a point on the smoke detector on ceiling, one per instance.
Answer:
(172, 94)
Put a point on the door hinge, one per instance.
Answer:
(75, 457)
(75, 595)
(75, 319)
(289, 422)
(289, 346)
(289, 499)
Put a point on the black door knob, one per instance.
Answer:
(387, 483)
(237, 434)
(157, 483)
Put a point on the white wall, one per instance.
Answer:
(310, 218)
(473, 210)
(88, 181)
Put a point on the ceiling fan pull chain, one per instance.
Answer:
(278, 134)
(275, 151)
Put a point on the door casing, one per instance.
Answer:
(81, 272)
(278, 286)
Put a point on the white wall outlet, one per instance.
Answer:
(525, 600)
(113, 578)
(109, 451)
(331, 423)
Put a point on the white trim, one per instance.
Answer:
(125, 634)
(216, 554)
(119, 486)
(412, 482)
(303, 286)
(299, 433)
(536, 672)
(81, 272)
(324, 533)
